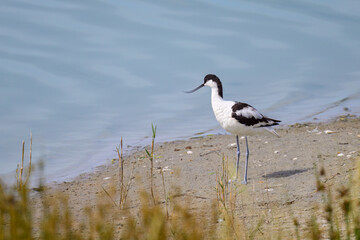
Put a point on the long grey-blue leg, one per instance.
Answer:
(246, 161)
(238, 156)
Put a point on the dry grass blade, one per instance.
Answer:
(30, 157)
(107, 193)
(151, 158)
(121, 171)
(128, 185)
(22, 162)
(165, 196)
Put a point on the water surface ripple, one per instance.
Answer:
(81, 74)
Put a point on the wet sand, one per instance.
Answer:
(281, 172)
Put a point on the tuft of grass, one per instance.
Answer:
(17, 213)
(342, 214)
(150, 225)
(226, 192)
(124, 188)
(21, 182)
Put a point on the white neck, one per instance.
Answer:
(215, 98)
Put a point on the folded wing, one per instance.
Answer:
(249, 116)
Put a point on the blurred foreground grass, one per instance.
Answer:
(336, 216)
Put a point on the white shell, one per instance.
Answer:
(329, 131)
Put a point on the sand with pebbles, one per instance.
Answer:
(281, 172)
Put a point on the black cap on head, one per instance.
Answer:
(215, 79)
(210, 77)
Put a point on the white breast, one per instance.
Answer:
(223, 111)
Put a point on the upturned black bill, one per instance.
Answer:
(191, 91)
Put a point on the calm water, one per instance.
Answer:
(81, 74)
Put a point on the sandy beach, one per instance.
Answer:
(281, 183)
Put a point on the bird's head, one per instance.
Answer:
(210, 80)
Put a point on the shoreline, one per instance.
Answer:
(9, 179)
(140, 150)
(137, 148)
(282, 168)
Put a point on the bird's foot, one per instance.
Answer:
(244, 182)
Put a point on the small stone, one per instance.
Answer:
(189, 152)
(315, 130)
(166, 169)
(107, 178)
(295, 158)
(276, 152)
(208, 145)
(340, 155)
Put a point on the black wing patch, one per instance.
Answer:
(249, 116)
